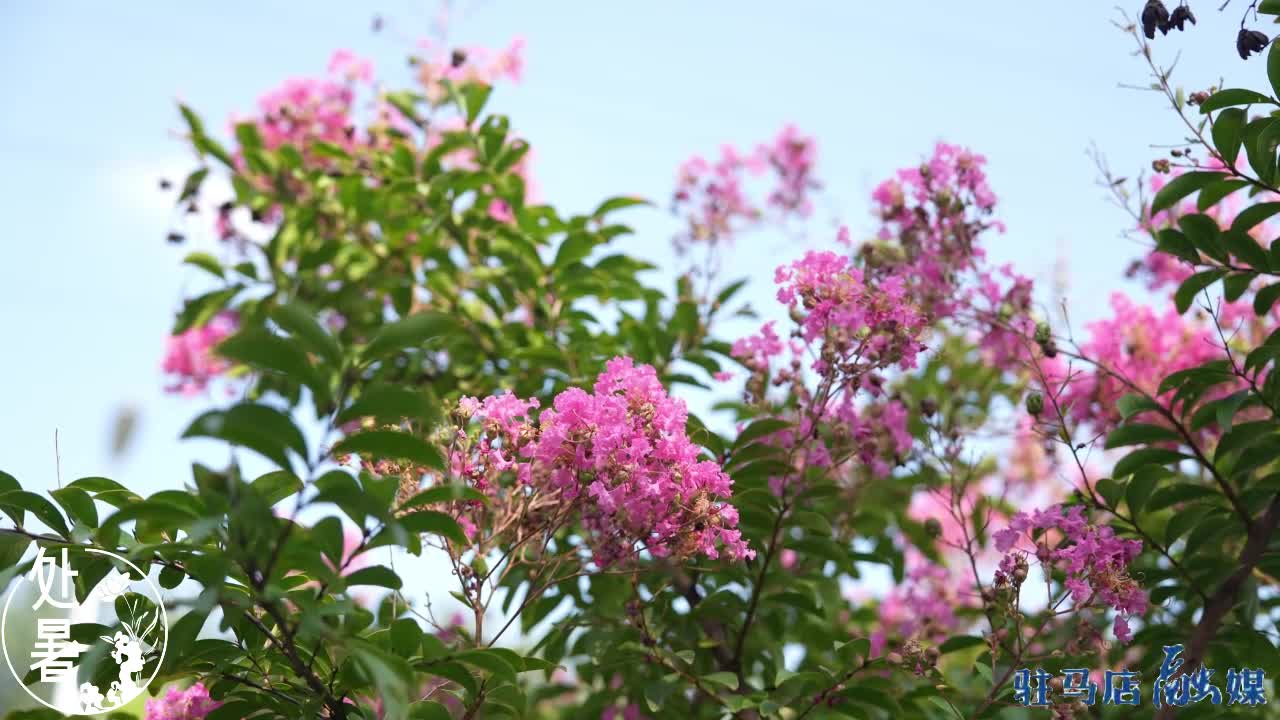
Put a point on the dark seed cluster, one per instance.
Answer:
(1155, 16)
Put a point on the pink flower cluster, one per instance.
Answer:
(933, 216)
(1095, 561)
(306, 110)
(193, 703)
(1142, 347)
(189, 356)
(923, 607)
(467, 65)
(621, 456)
(713, 197)
(866, 325)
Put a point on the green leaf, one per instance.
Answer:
(1265, 298)
(486, 659)
(1231, 97)
(1227, 134)
(378, 575)
(1190, 287)
(618, 203)
(39, 506)
(264, 350)
(1244, 247)
(724, 679)
(759, 429)
(1273, 69)
(300, 321)
(1140, 434)
(575, 248)
(412, 332)
(436, 523)
(206, 262)
(1110, 490)
(1254, 215)
(1146, 456)
(262, 429)
(12, 548)
(429, 710)
(276, 486)
(389, 404)
(444, 493)
(78, 504)
(1182, 186)
(391, 445)
(1174, 242)
(960, 642)
(1141, 486)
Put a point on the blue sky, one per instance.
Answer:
(616, 95)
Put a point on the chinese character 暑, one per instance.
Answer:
(44, 570)
(1121, 688)
(1030, 693)
(1244, 687)
(55, 652)
(1078, 685)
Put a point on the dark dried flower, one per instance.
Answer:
(1250, 41)
(1181, 16)
(1155, 16)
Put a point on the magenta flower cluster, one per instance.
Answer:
(871, 325)
(192, 703)
(621, 456)
(714, 198)
(189, 359)
(933, 216)
(1095, 561)
(1136, 348)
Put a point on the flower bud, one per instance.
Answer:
(894, 658)
(1043, 333)
(1035, 403)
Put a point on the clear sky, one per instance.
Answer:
(616, 95)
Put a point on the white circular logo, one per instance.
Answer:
(85, 667)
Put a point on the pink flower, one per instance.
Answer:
(500, 210)
(189, 356)
(350, 66)
(620, 455)
(190, 704)
(714, 198)
(1142, 347)
(1095, 561)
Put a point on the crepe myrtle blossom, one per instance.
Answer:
(853, 326)
(1136, 347)
(437, 65)
(189, 359)
(193, 703)
(716, 198)
(618, 455)
(1093, 558)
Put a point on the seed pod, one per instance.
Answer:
(1035, 403)
(1181, 16)
(1155, 16)
(1044, 333)
(1250, 41)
